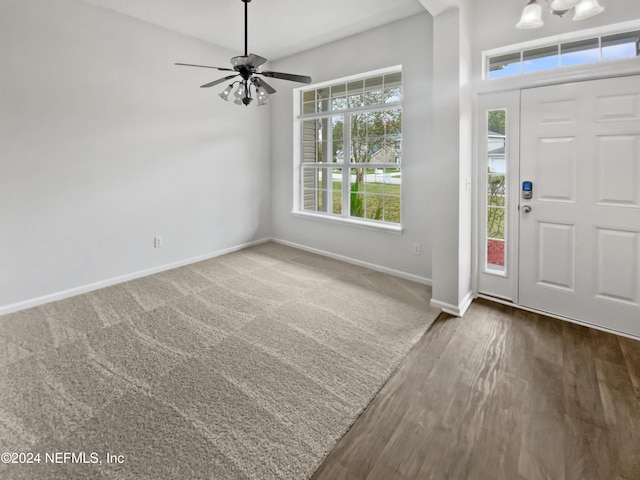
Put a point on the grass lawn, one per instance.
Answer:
(375, 196)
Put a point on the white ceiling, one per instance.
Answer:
(277, 28)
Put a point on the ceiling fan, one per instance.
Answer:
(247, 67)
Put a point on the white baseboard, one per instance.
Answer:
(455, 310)
(360, 263)
(34, 302)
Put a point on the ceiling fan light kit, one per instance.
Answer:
(247, 67)
(532, 13)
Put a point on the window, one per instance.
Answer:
(562, 54)
(351, 148)
(496, 192)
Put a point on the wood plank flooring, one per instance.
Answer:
(501, 394)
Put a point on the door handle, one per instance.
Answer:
(526, 209)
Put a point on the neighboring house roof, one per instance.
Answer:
(387, 154)
(497, 151)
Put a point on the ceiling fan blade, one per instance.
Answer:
(206, 66)
(287, 76)
(261, 83)
(216, 82)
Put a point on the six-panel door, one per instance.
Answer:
(579, 251)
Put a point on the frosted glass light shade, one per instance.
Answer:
(263, 96)
(586, 9)
(531, 16)
(239, 91)
(225, 93)
(563, 4)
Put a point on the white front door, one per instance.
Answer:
(579, 237)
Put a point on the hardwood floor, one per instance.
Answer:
(501, 394)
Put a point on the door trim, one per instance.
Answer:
(479, 130)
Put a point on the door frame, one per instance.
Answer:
(488, 89)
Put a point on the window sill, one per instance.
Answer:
(350, 221)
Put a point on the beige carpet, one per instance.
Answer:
(246, 366)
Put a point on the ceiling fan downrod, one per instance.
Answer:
(246, 27)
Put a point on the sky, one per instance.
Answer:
(613, 52)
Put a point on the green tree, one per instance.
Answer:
(371, 132)
(496, 121)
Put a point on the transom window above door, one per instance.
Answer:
(620, 42)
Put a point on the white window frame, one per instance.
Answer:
(346, 165)
(551, 41)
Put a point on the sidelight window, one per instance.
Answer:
(496, 165)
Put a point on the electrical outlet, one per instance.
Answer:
(157, 242)
(417, 248)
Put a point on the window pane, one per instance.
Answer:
(540, 59)
(392, 182)
(495, 222)
(359, 127)
(338, 97)
(392, 121)
(505, 65)
(309, 96)
(375, 194)
(338, 90)
(323, 102)
(356, 100)
(309, 188)
(495, 255)
(392, 87)
(392, 95)
(337, 127)
(336, 190)
(339, 103)
(355, 87)
(496, 139)
(309, 107)
(323, 153)
(359, 152)
(338, 152)
(356, 198)
(374, 205)
(322, 200)
(576, 53)
(496, 190)
(373, 91)
(383, 150)
(372, 84)
(393, 80)
(624, 45)
(322, 190)
(309, 141)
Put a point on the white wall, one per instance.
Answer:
(105, 144)
(450, 186)
(409, 43)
